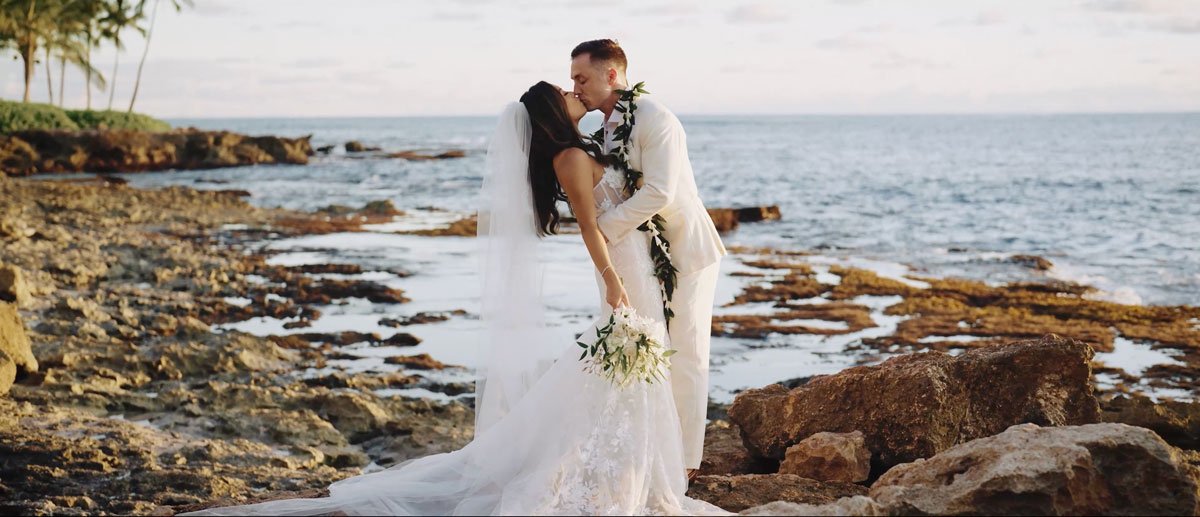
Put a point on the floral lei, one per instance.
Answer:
(660, 248)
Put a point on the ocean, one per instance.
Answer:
(1112, 200)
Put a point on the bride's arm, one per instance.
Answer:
(574, 170)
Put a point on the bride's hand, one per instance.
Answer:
(615, 293)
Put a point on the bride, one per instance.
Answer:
(550, 438)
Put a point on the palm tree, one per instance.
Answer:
(91, 30)
(26, 23)
(73, 43)
(49, 79)
(70, 42)
(120, 15)
(178, 5)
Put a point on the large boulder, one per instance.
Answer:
(14, 341)
(725, 454)
(1095, 469)
(1175, 421)
(916, 405)
(754, 214)
(737, 493)
(856, 505)
(829, 457)
(13, 288)
(8, 372)
(725, 219)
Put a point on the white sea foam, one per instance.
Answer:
(1106, 290)
(238, 301)
(1135, 357)
(822, 274)
(956, 339)
(445, 279)
(417, 219)
(811, 323)
(420, 393)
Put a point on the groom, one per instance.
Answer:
(658, 148)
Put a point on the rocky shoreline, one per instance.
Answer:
(23, 153)
(29, 152)
(123, 396)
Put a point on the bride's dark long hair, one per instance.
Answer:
(552, 132)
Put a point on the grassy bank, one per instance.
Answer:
(17, 116)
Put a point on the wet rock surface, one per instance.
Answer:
(121, 396)
(954, 315)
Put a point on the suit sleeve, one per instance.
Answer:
(664, 156)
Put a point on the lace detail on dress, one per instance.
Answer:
(610, 191)
(606, 473)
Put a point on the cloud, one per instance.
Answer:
(218, 8)
(300, 24)
(1176, 26)
(983, 19)
(874, 28)
(1120, 6)
(756, 13)
(897, 61)
(843, 42)
(1140, 6)
(457, 16)
(989, 18)
(314, 62)
(670, 9)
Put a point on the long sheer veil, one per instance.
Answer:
(515, 344)
(571, 443)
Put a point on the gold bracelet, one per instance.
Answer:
(605, 270)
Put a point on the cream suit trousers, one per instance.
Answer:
(690, 333)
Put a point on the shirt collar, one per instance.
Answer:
(613, 120)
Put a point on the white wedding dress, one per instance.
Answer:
(572, 445)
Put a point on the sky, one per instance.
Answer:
(310, 58)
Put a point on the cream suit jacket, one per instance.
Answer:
(658, 148)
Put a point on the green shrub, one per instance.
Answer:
(15, 116)
(116, 120)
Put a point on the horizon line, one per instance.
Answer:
(716, 114)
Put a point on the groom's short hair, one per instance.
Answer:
(602, 50)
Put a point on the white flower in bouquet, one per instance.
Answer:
(626, 349)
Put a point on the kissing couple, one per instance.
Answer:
(551, 436)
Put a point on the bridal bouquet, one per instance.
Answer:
(625, 350)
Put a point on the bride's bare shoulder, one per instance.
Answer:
(572, 162)
(571, 156)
